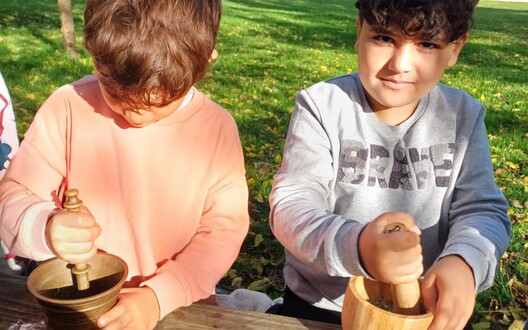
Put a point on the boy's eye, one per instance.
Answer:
(384, 39)
(429, 45)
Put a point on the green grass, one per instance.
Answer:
(270, 49)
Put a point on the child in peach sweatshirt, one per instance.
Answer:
(158, 165)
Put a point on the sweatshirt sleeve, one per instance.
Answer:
(29, 190)
(301, 217)
(193, 273)
(480, 228)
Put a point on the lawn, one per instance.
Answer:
(270, 49)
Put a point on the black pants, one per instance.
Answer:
(296, 307)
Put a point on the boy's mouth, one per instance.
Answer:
(396, 84)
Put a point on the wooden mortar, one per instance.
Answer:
(367, 302)
(360, 312)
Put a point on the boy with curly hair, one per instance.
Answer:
(391, 144)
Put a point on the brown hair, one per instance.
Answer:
(428, 18)
(150, 52)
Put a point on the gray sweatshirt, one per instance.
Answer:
(342, 167)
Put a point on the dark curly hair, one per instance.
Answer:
(427, 18)
(149, 53)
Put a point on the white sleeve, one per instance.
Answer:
(8, 131)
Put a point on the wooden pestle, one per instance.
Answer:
(79, 270)
(405, 296)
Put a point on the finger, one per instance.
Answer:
(401, 241)
(80, 220)
(74, 219)
(452, 316)
(75, 248)
(429, 294)
(111, 318)
(77, 235)
(408, 274)
(458, 316)
(78, 257)
(443, 318)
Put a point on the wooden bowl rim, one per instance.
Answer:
(356, 295)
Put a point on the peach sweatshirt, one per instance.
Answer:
(171, 198)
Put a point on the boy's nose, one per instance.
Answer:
(401, 60)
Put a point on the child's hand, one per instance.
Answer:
(136, 308)
(448, 291)
(391, 257)
(71, 235)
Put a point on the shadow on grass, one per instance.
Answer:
(320, 23)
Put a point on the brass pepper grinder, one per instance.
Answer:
(405, 296)
(79, 270)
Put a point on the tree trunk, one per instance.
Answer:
(67, 27)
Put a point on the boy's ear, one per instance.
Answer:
(459, 44)
(214, 55)
(358, 31)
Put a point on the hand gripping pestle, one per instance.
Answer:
(405, 296)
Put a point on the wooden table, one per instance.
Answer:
(18, 306)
